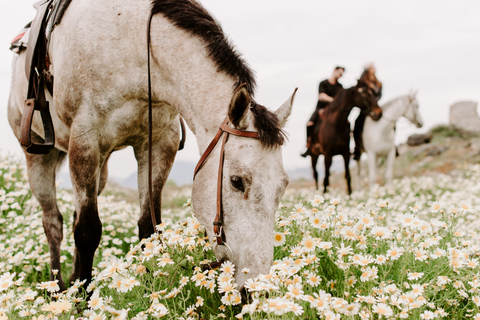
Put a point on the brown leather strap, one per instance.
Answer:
(150, 120)
(209, 149)
(218, 231)
(218, 221)
(211, 265)
(224, 127)
(36, 70)
(248, 134)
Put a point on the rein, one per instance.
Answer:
(218, 231)
(150, 121)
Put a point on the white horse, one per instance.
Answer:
(379, 136)
(98, 59)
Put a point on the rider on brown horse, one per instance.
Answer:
(327, 89)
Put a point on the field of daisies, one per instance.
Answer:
(409, 251)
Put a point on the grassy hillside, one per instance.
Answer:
(449, 149)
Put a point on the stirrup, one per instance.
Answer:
(26, 128)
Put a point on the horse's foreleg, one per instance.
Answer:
(163, 155)
(314, 159)
(359, 175)
(103, 176)
(85, 164)
(346, 159)
(389, 166)
(372, 167)
(326, 180)
(41, 176)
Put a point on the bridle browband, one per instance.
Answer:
(218, 231)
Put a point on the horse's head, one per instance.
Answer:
(252, 185)
(367, 100)
(411, 111)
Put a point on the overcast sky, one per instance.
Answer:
(432, 46)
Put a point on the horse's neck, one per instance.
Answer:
(341, 106)
(395, 108)
(189, 80)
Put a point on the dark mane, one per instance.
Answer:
(269, 129)
(336, 103)
(192, 17)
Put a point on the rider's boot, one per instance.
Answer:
(309, 139)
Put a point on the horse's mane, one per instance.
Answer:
(194, 18)
(390, 102)
(190, 16)
(335, 104)
(270, 132)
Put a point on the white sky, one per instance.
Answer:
(429, 45)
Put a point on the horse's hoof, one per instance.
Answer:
(306, 153)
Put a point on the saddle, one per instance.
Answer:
(37, 63)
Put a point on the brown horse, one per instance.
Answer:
(332, 132)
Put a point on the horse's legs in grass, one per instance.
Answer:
(359, 175)
(372, 167)
(163, 155)
(326, 180)
(86, 162)
(346, 159)
(389, 167)
(101, 186)
(314, 159)
(41, 175)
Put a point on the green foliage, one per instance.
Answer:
(446, 131)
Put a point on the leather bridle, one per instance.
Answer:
(218, 231)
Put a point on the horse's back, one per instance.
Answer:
(99, 55)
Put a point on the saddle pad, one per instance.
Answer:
(19, 43)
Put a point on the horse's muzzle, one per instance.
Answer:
(376, 115)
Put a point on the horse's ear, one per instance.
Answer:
(285, 109)
(238, 109)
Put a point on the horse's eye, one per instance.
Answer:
(237, 183)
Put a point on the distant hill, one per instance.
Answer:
(182, 174)
(449, 149)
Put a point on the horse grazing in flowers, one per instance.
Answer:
(379, 136)
(332, 133)
(100, 104)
